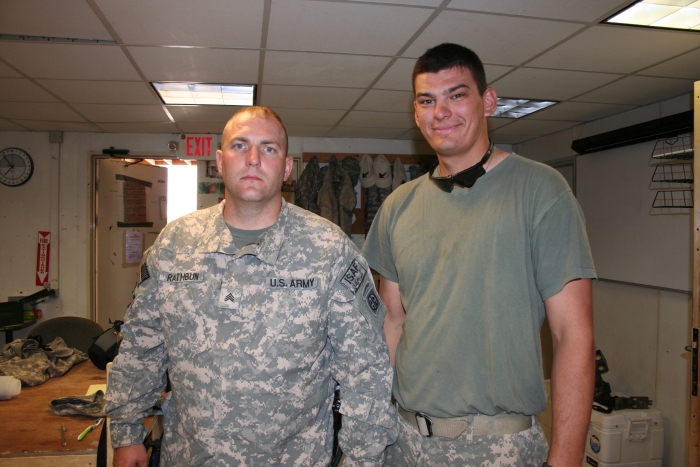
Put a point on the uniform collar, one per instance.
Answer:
(217, 237)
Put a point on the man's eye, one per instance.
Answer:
(457, 96)
(238, 146)
(269, 149)
(425, 101)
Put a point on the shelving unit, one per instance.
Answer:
(672, 152)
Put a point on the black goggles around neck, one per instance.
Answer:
(465, 178)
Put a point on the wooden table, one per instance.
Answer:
(30, 428)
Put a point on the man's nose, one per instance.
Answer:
(253, 158)
(442, 110)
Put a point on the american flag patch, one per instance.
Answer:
(144, 272)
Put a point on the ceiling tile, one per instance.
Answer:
(114, 113)
(398, 76)
(53, 18)
(159, 127)
(387, 101)
(309, 116)
(431, 3)
(364, 132)
(318, 69)
(495, 123)
(318, 131)
(685, 66)
(499, 40)
(358, 118)
(210, 23)
(7, 72)
(40, 125)
(202, 127)
(199, 65)
(638, 90)
(38, 111)
(523, 130)
(219, 114)
(6, 125)
(23, 90)
(68, 61)
(578, 111)
(307, 97)
(574, 10)
(373, 27)
(617, 49)
(101, 92)
(556, 85)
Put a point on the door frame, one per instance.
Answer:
(94, 158)
(694, 415)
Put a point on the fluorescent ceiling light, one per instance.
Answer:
(672, 14)
(205, 94)
(516, 108)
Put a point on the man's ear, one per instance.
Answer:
(219, 155)
(490, 101)
(289, 164)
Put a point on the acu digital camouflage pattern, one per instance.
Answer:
(32, 365)
(527, 448)
(253, 339)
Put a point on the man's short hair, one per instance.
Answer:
(447, 56)
(266, 112)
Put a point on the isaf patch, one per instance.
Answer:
(371, 298)
(353, 276)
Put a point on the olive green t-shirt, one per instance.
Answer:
(242, 237)
(474, 267)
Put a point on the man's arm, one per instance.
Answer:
(395, 315)
(130, 456)
(570, 318)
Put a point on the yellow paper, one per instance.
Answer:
(96, 387)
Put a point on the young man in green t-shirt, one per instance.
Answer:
(472, 257)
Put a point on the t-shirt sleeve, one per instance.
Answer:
(561, 252)
(377, 248)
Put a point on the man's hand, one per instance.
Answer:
(131, 456)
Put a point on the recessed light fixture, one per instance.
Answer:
(205, 94)
(671, 14)
(516, 108)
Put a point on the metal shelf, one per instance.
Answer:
(673, 199)
(678, 147)
(673, 173)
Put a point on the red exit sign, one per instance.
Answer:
(200, 147)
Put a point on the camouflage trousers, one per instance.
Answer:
(527, 448)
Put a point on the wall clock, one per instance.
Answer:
(16, 167)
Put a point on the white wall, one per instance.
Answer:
(641, 330)
(57, 199)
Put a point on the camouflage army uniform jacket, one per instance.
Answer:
(252, 340)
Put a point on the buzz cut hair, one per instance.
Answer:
(447, 56)
(267, 113)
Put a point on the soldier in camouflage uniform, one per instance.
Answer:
(254, 321)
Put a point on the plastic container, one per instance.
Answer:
(625, 438)
(9, 387)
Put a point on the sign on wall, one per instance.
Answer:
(43, 253)
(199, 146)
